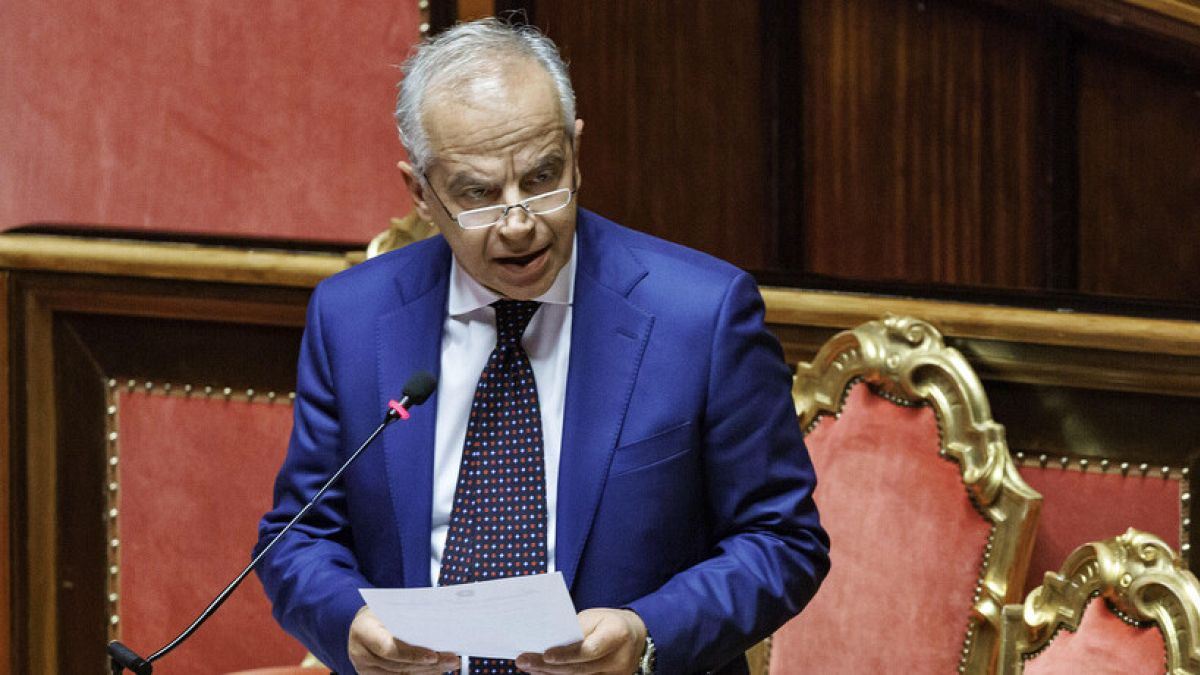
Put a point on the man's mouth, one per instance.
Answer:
(522, 260)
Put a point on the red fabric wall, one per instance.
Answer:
(261, 118)
(196, 476)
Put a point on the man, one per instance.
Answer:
(660, 467)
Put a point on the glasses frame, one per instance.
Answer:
(505, 208)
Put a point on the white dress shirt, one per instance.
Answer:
(468, 337)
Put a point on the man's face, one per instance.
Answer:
(498, 141)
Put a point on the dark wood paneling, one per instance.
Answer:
(958, 145)
(70, 333)
(1139, 176)
(674, 142)
(920, 138)
(784, 103)
(81, 568)
(229, 355)
(7, 500)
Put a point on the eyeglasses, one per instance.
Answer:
(487, 216)
(540, 205)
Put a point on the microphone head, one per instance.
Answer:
(419, 388)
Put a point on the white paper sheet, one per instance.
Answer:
(501, 618)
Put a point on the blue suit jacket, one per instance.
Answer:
(685, 489)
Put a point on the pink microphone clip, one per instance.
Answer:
(400, 410)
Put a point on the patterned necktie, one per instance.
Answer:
(498, 521)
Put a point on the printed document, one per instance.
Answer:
(500, 618)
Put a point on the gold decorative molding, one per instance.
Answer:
(758, 658)
(168, 260)
(1013, 344)
(906, 360)
(1138, 576)
(1184, 11)
(401, 232)
(789, 306)
(1170, 19)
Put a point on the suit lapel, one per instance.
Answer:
(608, 338)
(408, 340)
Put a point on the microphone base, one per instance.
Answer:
(122, 658)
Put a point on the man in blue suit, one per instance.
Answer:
(677, 492)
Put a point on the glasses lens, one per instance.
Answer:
(476, 218)
(539, 205)
(551, 201)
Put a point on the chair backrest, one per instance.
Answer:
(1087, 499)
(1147, 615)
(931, 525)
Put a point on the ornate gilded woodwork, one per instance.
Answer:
(1138, 576)
(905, 360)
(401, 232)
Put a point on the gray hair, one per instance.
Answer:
(470, 50)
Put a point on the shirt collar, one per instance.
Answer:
(468, 295)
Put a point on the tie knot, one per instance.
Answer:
(512, 317)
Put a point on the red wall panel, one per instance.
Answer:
(261, 118)
(195, 477)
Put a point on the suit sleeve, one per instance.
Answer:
(770, 551)
(311, 574)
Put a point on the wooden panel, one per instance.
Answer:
(74, 331)
(881, 145)
(6, 495)
(77, 482)
(674, 142)
(168, 260)
(1139, 176)
(39, 589)
(1169, 28)
(920, 131)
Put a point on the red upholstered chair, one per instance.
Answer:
(1127, 605)
(931, 525)
(1087, 499)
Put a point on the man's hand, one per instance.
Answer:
(613, 641)
(373, 650)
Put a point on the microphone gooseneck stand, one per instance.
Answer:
(418, 388)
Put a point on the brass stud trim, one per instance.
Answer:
(111, 515)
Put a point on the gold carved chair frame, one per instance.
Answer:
(906, 361)
(1137, 574)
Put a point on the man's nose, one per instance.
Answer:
(517, 222)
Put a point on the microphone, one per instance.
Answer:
(416, 391)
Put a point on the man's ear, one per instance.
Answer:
(416, 187)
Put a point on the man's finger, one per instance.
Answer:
(537, 665)
(371, 646)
